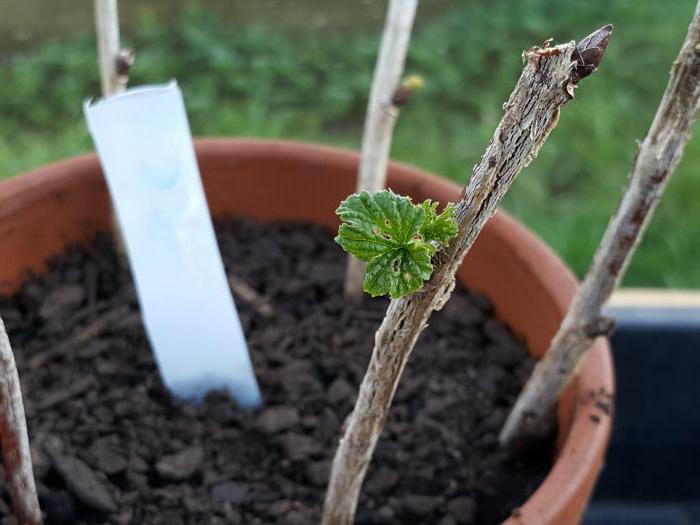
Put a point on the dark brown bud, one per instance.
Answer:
(125, 60)
(410, 84)
(589, 52)
(603, 326)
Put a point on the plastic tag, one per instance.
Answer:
(145, 148)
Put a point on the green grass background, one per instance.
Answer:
(262, 81)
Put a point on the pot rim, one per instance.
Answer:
(581, 449)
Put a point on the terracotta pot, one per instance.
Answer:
(41, 211)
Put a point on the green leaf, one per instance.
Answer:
(440, 228)
(399, 272)
(393, 236)
(376, 223)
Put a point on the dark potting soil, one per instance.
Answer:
(111, 446)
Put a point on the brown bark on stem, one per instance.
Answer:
(656, 159)
(382, 113)
(16, 455)
(547, 83)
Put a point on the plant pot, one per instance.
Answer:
(268, 180)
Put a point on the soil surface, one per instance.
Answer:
(111, 446)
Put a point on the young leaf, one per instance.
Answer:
(393, 236)
(440, 228)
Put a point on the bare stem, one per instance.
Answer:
(547, 83)
(16, 455)
(115, 64)
(114, 61)
(656, 159)
(382, 113)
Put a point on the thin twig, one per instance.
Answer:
(382, 113)
(115, 64)
(547, 83)
(16, 455)
(656, 159)
(248, 294)
(114, 61)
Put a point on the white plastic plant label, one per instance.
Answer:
(145, 148)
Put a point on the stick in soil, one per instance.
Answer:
(16, 455)
(547, 82)
(115, 64)
(247, 293)
(656, 159)
(382, 113)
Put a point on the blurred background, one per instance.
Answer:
(301, 69)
